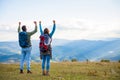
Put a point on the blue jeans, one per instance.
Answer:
(25, 54)
(46, 58)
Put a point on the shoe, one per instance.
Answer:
(43, 73)
(21, 71)
(47, 73)
(28, 71)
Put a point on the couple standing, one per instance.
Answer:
(26, 46)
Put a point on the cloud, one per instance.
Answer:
(8, 36)
(72, 24)
(7, 28)
(87, 30)
(62, 27)
(70, 29)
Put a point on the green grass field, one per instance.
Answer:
(64, 71)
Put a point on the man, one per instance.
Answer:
(25, 44)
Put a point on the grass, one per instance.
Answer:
(64, 71)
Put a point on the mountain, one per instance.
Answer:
(81, 50)
(86, 49)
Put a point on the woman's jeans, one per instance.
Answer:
(46, 60)
(25, 54)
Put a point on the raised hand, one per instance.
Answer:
(39, 22)
(19, 23)
(35, 22)
(54, 21)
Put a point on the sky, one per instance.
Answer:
(75, 19)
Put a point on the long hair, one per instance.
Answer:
(46, 31)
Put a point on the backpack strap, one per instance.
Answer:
(50, 38)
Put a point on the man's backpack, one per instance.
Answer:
(23, 39)
(45, 43)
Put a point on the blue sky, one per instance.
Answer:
(75, 19)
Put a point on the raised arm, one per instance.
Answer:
(19, 27)
(35, 30)
(54, 27)
(40, 26)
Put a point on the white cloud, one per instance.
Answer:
(78, 29)
(68, 29)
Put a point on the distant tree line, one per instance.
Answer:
(105, 60)
(87, 60)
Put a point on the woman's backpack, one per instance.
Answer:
(45, 43)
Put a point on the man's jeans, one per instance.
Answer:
(46, 58)
(25, 54)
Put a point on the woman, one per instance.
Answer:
(47, 55)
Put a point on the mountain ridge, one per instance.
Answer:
(93, 50)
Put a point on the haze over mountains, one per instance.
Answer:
(93, 50)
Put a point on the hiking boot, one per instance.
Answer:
(21, 71)
(28, 71)
(43, 73)
(47, 73)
